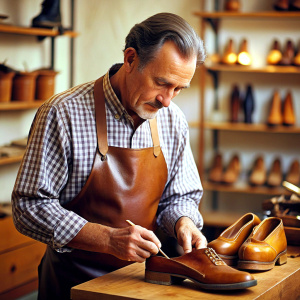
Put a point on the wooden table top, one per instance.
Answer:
(282, 282)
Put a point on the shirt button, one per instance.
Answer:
(117, 117)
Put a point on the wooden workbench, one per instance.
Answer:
(282, 282)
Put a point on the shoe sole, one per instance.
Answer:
(262, 266)
(169, 279)
(229, 260)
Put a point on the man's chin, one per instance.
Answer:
(147, 115)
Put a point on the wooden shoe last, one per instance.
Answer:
(228, 243)
(203, 266)
(266, 246)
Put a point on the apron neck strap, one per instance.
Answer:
(100, 112)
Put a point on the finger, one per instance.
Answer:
(150, 236)
(201, 243)
(186, 243)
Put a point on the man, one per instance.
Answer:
(110, 150)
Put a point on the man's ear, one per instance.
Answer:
(130, 59)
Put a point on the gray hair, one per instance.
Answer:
(149, 36)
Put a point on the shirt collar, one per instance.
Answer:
(113, 102)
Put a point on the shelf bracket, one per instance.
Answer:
(215, 76)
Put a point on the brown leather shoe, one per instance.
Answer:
(228, 243)
(293, 175)
(258, 174)
(275, 174)
(232, 172)
(288, 54)
(288, 114)
(232, 5)
(215, 173)
(235, 104)
(275, 114)
(202, 266)
(266, 246)
(281, 5)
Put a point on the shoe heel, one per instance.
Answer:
(158, 278)
(282, 259)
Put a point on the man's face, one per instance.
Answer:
(158, 83)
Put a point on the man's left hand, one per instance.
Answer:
(188, 235)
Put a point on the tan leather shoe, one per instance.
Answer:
(293, 175)
(232, 172)
(266, 246)
(275, 114)
(244, 58)
(274, 56)
(275, 175)
(202, 266)
(288, 115)
(258, 174)
(215, 173)
(228, 243)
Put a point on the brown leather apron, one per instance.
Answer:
(124, 184)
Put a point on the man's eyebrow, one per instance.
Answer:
(165, 81)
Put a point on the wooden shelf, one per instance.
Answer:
(20, 105)
(243, 187)
(10, 160)
(12, 29)
(251, 127)
(250, 15)
(250, 69)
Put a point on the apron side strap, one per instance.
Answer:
(155, 137)
(100, 117)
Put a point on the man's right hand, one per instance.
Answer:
(132, 243)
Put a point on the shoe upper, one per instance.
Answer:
(266, 242)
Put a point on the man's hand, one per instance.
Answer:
(188, 235)
(133, 243)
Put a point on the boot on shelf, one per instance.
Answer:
(275, 114)
(50, 16)
(244, 58)
(281, 5)
(232, 172)
(295, 5)
(296, 60)
(288, 54)
(288, 114)
(248, 104)
(293, 175)
(258, 175)
(216, 171)
(229, 56)
(232, 5)
(275, 175)
(274, 56)
(235, 104)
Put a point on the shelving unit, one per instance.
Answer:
(214, 69)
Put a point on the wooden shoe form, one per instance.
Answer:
(258, 174)
(288, 115)
(274, 56)
(275, 114)
(275, 175)
(229, 57)
(293, 175)
(215, 173)
(232, 172)
(244, 58)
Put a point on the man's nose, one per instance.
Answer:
(165, 98)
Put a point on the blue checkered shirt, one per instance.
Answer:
(59, 158)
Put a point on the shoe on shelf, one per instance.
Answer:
(235, 104)
(229, 57)
(248, 105)
(289, 118)
(295, 5)
(293, 175)
(274, 56)
(203, 266)
(215, 173)
(50, 16)
(266, 246)
(232, 172)
(258, 175)
(244, 58)
(275, 114)
(296, 60)
(232, 5)
(288, 54)
(281, 5)
(275, 175)
(227, 245)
